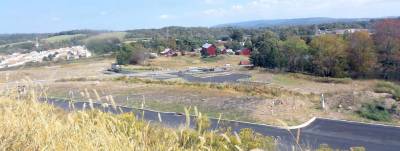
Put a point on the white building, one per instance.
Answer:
(340, 31)
(68, 53)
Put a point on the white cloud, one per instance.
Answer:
(165, 16)
(237, 7)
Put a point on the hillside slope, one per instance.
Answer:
(290, 22)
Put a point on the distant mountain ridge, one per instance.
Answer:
(291, 22)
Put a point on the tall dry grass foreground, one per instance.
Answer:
(26, 124)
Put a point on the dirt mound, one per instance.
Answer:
(352, 101)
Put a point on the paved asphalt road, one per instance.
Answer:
(337, 134)
(164, 75)
(231, 78)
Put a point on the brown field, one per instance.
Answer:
(294, 101)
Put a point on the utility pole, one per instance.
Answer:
(322, 101)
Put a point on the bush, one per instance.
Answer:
(131, 54)
(375, 112)
(388, 87)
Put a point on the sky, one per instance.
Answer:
(43, 16)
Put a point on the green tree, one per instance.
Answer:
(131, 54)
(387, 40)
(329, 56)
(237, 35)
(101, 46)
(234, 45)
(248, 44)
(171, 43)
(124, 54)
(295, 53)
(186, 44)
(266, 51)
(361, 54)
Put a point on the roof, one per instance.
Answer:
(229, 50)
(166, 51)
(207, 45)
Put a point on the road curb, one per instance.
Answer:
(307, 123)
(304, 124)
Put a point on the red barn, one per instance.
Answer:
(210, 49)
(245, 52)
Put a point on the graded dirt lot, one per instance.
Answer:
(80, 68)
(272, 98)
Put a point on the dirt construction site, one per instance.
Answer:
(218, 87)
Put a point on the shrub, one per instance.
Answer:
(250, 139)
(131, 54)
(388, 87)
(375, 112)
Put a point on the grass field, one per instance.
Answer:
(62, 38)
(119, 35)
(293, 98)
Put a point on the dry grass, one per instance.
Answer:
(299, 95)
(28, 125)
(259, 90)
(310, 84)
(92, 67)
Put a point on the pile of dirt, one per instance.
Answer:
(353, 101)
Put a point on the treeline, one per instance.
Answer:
(357, 55)
(180, 38)
(158, 44)
(180, 32)
(82, 31)
(189, 38)
(15, 38)
(223, 32)
(184, 38)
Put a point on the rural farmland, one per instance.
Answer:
(244, 75)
